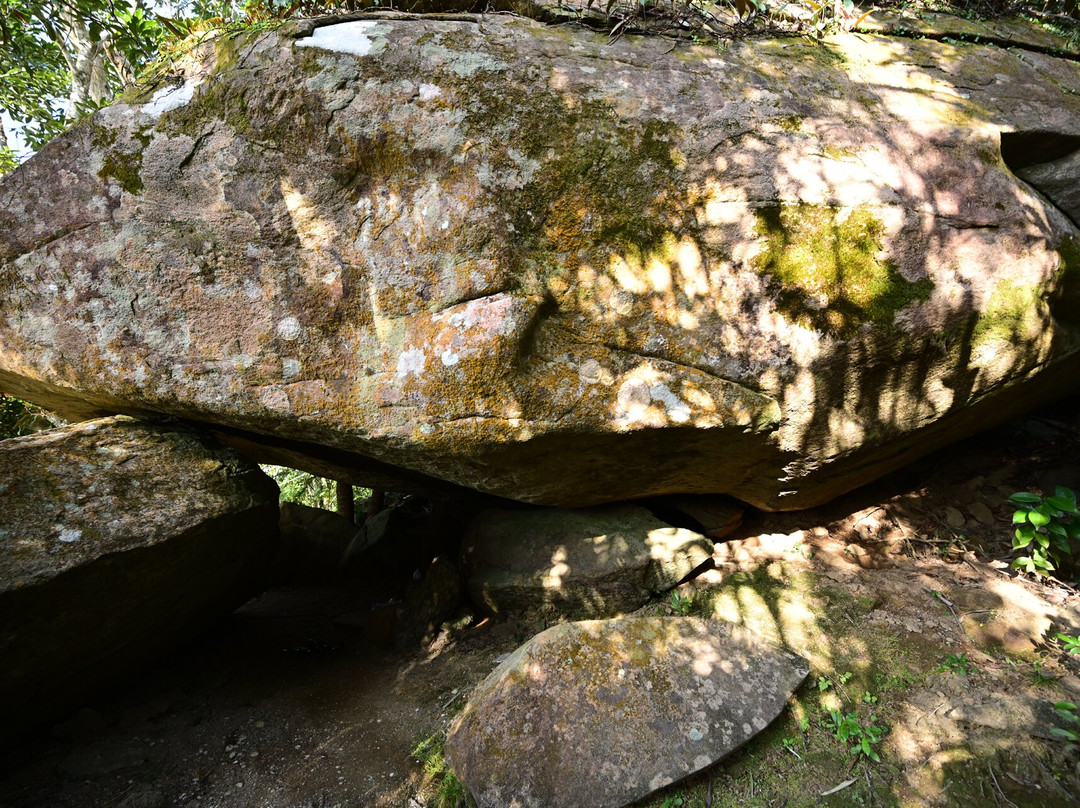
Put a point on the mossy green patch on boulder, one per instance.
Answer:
(831, 266)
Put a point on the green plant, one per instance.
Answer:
(823, 683)
(1067, 710)
(1070, 644)
(307, 489)
(957, 663)
(848, 729)
(1048, 526)
(680, 604)
(1038, 678)
(673, 801)
(18, 417)
(450, 792)
(868, 698)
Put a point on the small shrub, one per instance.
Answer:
(680, 604)
(863, 737)
(1049, 527)
(957, 663)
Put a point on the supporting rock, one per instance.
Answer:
(118, 541)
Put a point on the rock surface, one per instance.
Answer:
(311, 544)
(590, 562)
(522, 258)
(118, 540)
(601, 713)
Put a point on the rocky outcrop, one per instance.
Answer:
(118, 540)
(602, 713)
(547, 266)
(591, 562)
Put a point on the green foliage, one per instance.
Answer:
(862, 735)
(957, 663)
(450, 793)
(1049, 526)
(1070, 644)
(18, 417)
(306, 489)
(680, 604)
(1067, 710)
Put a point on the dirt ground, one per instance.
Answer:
(899, 594)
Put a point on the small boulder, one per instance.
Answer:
(602, 713)
(118, 541)
(313, 541)
(592, 562)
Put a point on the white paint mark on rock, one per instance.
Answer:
(169, 98)
(69, 535)
(345, 37)
(289, 329)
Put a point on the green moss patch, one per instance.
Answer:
(828, 262)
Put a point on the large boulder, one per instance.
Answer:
(118, 540)
(560, 269)
(589, 562)
(602, 713)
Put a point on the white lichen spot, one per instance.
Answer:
(290, 369)
(427, 429)
(69, 535)
(289, 329)
(590, 371)
(276, 399)
(429, 91)
(169, 98)
(677, 409)
(345, 37)
(660, 781)
(411, 362)
(449, 358)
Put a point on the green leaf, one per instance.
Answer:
(1023, 536)
(1039, 517)
(1064, 705)
(1025, 497)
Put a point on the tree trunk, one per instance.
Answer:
(85, 60)
(345, 504)
(377, 501)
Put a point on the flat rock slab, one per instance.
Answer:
(601, 713)
(118, 540)
(590, 562)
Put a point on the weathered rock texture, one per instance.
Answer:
(590, 562)
(601, 713)
(522, 258)
(118, 540)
